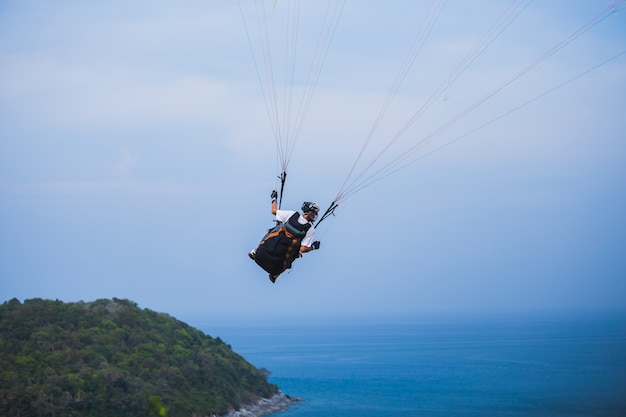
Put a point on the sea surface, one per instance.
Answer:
(574, 367)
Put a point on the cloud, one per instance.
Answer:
(149, 115)
(80, 95)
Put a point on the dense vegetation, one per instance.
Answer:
(109, 358)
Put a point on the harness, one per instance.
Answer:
(281, 245)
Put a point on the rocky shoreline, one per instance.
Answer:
(279, 402)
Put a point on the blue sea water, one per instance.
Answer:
(431, 368)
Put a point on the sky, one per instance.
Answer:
(137, 159)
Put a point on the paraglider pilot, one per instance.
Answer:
(289, 239)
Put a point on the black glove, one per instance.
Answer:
(316, 244)
(274, 195)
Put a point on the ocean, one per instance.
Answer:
(552, 367)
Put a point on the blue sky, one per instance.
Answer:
(137, 159)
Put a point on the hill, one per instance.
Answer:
(110, 358)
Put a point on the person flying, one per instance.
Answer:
(289, 239)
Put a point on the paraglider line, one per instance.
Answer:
(386, 171)
(583, 29)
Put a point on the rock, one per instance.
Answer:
(279, 402)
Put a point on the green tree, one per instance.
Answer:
(109, 357)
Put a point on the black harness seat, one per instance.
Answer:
(281, 245)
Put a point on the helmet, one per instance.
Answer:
(307, 206)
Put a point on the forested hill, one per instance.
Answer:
(109, 358)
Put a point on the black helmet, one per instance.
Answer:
(307, 206)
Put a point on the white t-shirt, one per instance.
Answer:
(284, 215)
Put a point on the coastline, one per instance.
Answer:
(263, 406)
